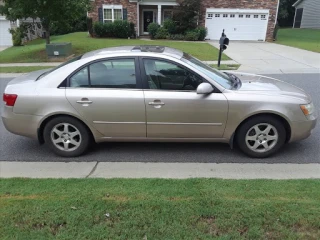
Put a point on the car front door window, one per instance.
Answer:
(164, 75)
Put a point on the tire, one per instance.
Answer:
(261, 136)
(67, 136)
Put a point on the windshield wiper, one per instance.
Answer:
(236, 81)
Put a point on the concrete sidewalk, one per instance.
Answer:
(271, 58)
(157, 170)
(44, 64)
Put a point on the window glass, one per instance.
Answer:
(118, 73)
(225, 15)
(117, 14)
(168, 76)
(167, 15)
(240, 16)
(248, 16)
(219, 77)
(217, 15)
(108, 14)
(80, 79)
(256, 16)
(232, 15)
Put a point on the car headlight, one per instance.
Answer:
(307, 109)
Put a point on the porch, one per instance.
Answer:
(149, 11)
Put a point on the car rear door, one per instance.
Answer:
(173, 107)
(107, 93)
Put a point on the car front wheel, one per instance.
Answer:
(67, 137)
(261, 136)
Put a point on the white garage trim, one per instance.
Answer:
(239, 24)
(236, 10)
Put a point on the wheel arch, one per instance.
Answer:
(275, 115)
(49, 118)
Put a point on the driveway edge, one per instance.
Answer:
(157, 170)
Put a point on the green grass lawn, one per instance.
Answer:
(21, 69)
(35, 51)
(308, 39)
(159, 209)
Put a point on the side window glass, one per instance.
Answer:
(168, 76)
(116, 73)
(80, 79)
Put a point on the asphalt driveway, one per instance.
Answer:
(265, 57)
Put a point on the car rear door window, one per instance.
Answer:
(164, 75)
(113, 73)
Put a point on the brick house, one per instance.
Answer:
(241, 19)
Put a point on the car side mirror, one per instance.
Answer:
(204, 88)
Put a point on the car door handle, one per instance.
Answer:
(84, 101)
(156, 103)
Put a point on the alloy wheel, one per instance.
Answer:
(66, 137)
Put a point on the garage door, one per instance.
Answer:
(5, 36)
(241, 24)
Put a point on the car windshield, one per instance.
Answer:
(221, 78)
(61, 65)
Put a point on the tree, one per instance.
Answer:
(286, 13)
(187, 15)
(48, 11)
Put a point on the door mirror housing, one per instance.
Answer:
(204, 88)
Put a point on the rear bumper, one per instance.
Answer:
(302, 130)
(20, 124)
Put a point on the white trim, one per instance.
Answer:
(296, 3)
(160, 3)
(159, 15)
(294, 20)
(2, 18)
(138, 19)
(275, 23)
(233, 10)
(112, 7)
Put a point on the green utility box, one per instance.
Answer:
(59, 49)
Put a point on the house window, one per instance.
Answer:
(225, 15)
(210, 15)
(232, 15)
(263, 16)
(112, 13)
(217, 15)
(240, 16)
(248, 16)
(256, 16)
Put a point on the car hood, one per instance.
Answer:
(29, 77)
(267, 85)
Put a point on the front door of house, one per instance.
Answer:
(147, 19)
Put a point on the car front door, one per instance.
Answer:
(108, 94)
(173, 107)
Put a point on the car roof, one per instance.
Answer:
(158, 50)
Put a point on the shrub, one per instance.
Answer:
(122, 29)
(202, 33)
(162, 33)
(98, 29)
(152, 29)
(118, 29)
(192, 35)
(171, 26)
(176, 37)
(17, 36)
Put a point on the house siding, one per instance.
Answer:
(311, 14)
(271, 5)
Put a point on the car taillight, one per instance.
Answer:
(10, 99)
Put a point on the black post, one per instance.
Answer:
(220, 50)
(220, 54)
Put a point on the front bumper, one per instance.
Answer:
(21, 124)
(302, 130)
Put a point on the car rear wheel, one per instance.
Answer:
(66, 136)
(261, 136)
